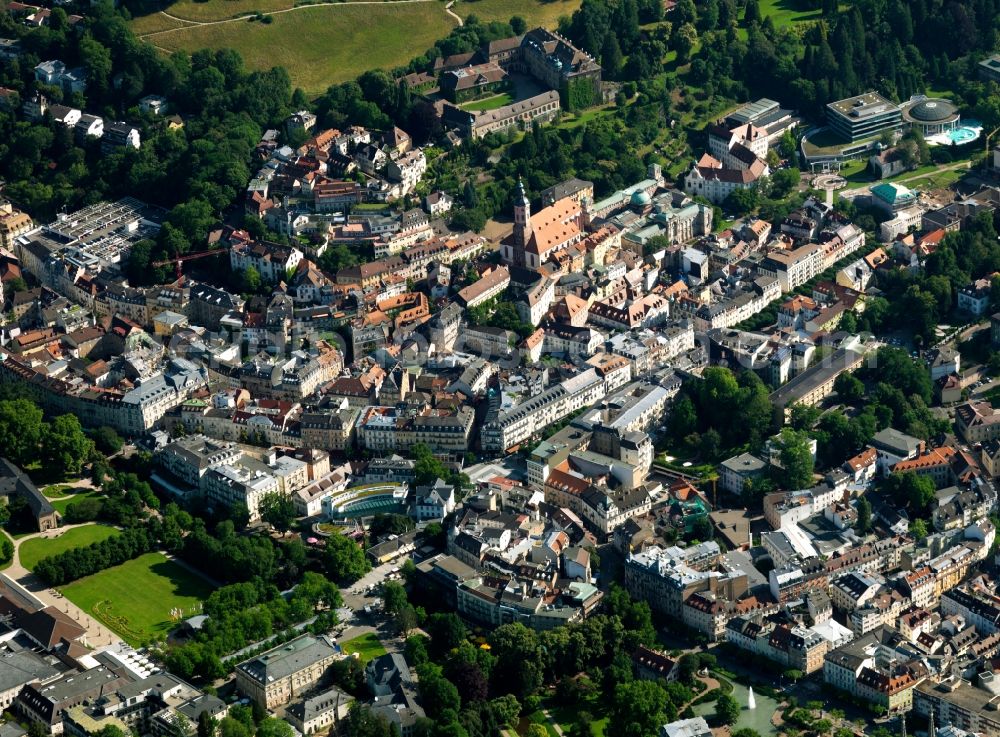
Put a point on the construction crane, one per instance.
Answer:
(178, 260)
(995, 131)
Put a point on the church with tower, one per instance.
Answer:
(537, 238)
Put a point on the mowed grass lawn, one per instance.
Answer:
(367, 647)
(537, 13)
(537, 717)
(222, 9)
(566, 715)
(324, 45)
(135, 598)
(488, 103)
(320, 46)
(33, 550)
(60, 504)
(153, 23)
(937, 181)
(787, 12)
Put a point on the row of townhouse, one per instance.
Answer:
(397, 429)
(601, 510)
(506, 428)
(263, 421)
(132, 412)
(795, 267)
(292, 379)
(495, 603)
(597, 445)
(412, 262)
(201, 304)
(648, 350)
(739, 304)
(646, 312)
(878, 668)
(113, 694)
(273, 262)
(798, 647)
(562, 340)
(844, 241)
(711, 615)
(330, 428)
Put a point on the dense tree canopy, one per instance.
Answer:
(727, 709)
(344, 559)
(722, 411)
(65, 445)
(244, 613)
(894, 46)
(198, 171)
(75, 563)
(910, 490)
(640, 708)
(21, 430)
(795, 455)
(278, 510)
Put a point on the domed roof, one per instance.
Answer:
(932, 111)
(640, 199)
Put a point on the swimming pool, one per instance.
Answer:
(967, 131)
(369, 507)
(962, 135)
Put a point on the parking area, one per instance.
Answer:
(366, 591)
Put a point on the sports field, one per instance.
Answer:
(136, 598)
(323, 44)
(33, 550)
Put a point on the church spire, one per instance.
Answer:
(522, 198)
(522, 217)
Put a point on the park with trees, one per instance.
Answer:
(30, 440)
(580, 676)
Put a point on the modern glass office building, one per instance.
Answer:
(863, 116)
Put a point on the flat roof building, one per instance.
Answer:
(989, 68)
(738, 470)
(694, 727)
(814, 384)
(765, 114)
(862, 116)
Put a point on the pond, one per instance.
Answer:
(758, 719)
